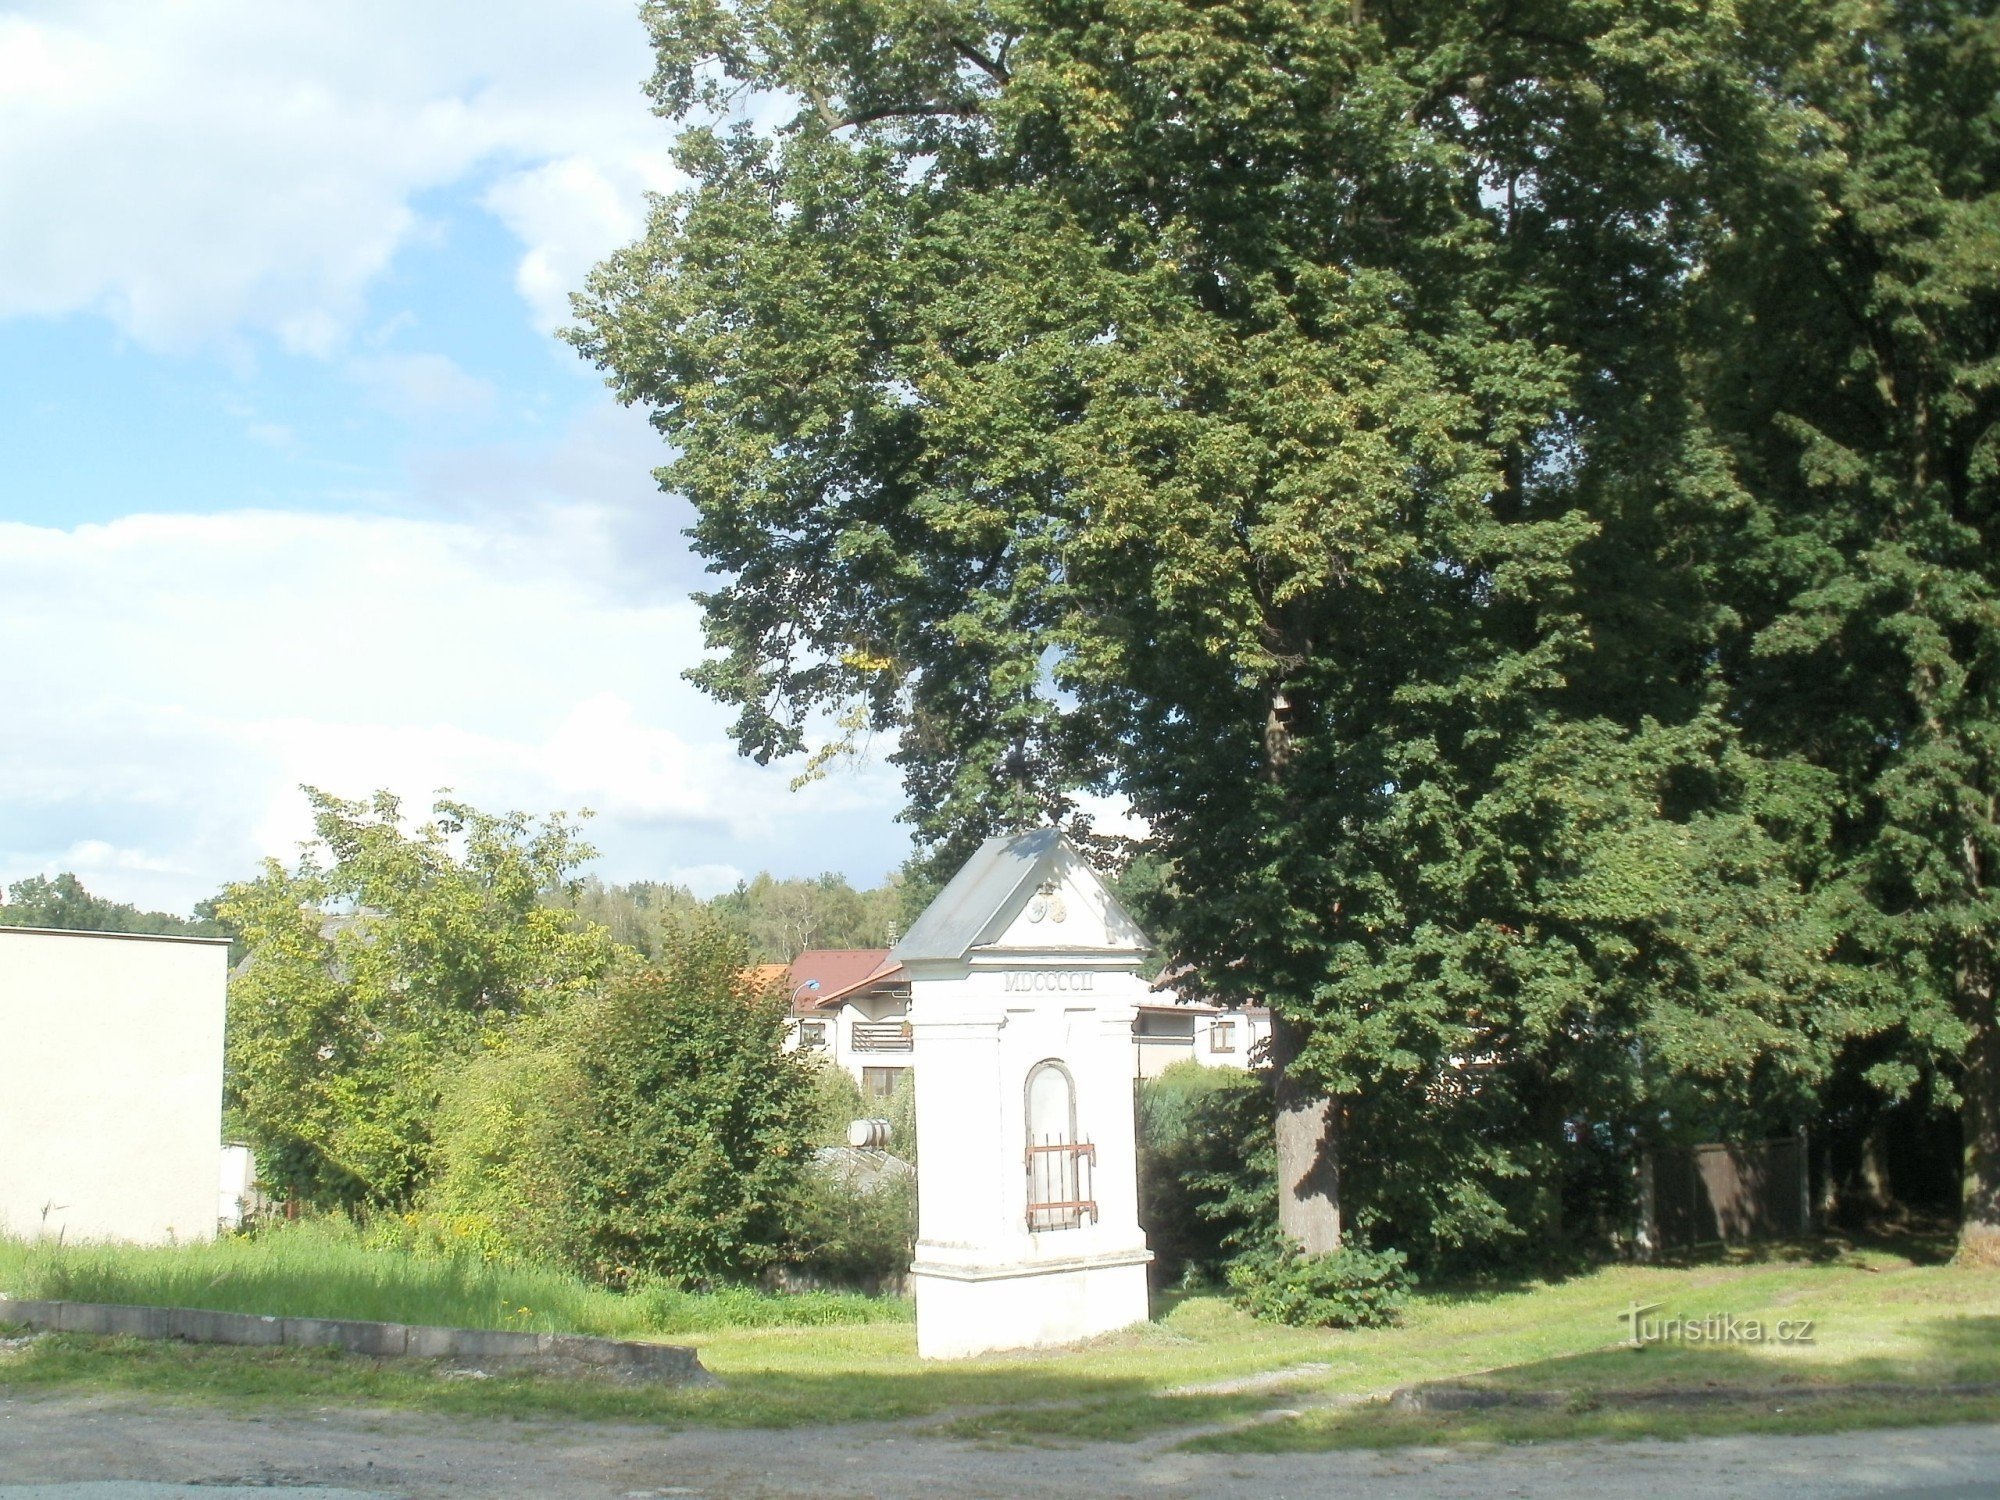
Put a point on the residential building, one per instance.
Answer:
(852, 1007)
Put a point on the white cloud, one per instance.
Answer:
(706, 880)
(570, 213)
(420, 385)
(192, 671)
(89, 856)
(211, 168)
(1112, 816)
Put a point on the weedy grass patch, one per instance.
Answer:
(1882, 1315)
(327, 1268)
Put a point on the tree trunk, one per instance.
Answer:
(1979, 1222)
(1878, 1191)
(1308, 1149)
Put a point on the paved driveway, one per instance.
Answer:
(75, 1448)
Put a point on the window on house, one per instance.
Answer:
(1059, 1164)
(1222, 1036)
(880, 1083)
(812, 1036)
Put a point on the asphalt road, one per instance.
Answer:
(76, 1448)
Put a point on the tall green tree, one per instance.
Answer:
(1268, 411)
(1852, 363)
(378, 963)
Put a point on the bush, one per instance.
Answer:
(902, 1117)
(835, 1103)
(1207, 1168)
(852, 1230)
(501, 1183)
(694, 1121)
(1354, 1287)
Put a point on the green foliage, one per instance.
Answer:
(1304, 451)
(846, 1226)
(502, 1178)
(1509, 494)
(693, 1123)
(387, 1269)
(852, 1228)
(1861, 409)
(835, 1103)
(376, 967)
(637, 916)
(777, 919)
(64, 903)
(1207, 1168)
(902, 1117)
(1353, 1287)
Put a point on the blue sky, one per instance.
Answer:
(296, 485)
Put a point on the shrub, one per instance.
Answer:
(694, 1123)
(902, 1117)
(835, 1103)
(501, 1181)
(851, 1229)
(1354, 1287)
(1207, 1168)
(377, 966)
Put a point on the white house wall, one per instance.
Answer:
(1151, 1055)
(110, 1085)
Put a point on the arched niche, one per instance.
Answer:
(1059, 1164)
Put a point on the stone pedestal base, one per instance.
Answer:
(964, 1310)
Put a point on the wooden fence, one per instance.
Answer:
(1725, 1194)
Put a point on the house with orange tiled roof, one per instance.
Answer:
(762, 977)
(852, 1007)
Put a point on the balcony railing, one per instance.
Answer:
(882, 1036)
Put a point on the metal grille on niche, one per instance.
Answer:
(1060, 1166)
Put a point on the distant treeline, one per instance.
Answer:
(64, 903)
(775, 918)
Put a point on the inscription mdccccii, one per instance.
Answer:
(1070, 980)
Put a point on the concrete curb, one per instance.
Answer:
(549, 1353)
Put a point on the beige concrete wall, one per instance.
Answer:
(110, 1084)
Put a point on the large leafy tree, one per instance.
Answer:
(381, 961)
(1853, 362)
(1269, 411)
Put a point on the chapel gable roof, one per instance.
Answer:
(996, 883)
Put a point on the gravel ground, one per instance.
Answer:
(96, 1448)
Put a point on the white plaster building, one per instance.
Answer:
(1168, 1030)
(851, 1006)
(110, 1084)
(1024, 981)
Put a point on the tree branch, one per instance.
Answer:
(994, 68)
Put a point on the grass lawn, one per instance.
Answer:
(1883, 1315)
